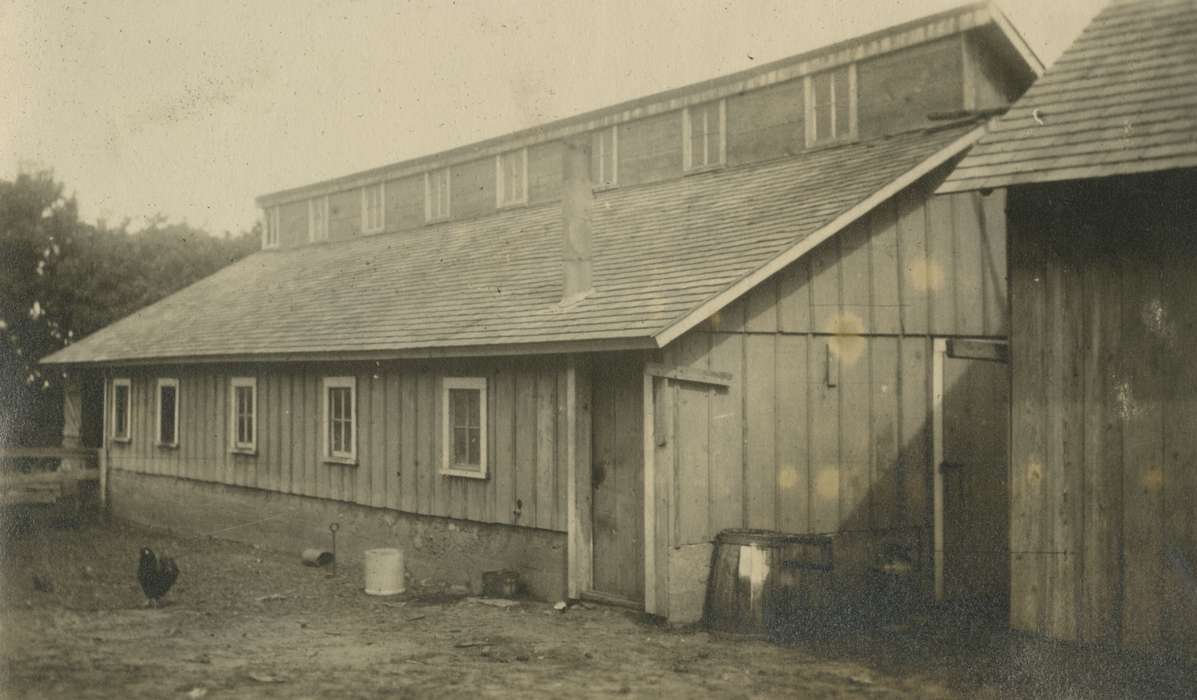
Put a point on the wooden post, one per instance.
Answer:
(650, 502)
(940, 350)
(580, 562)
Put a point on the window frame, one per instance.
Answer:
(500, 185)
(128, 433)
(382, 208)
(327, 455)
(162, 383)
(448, 467)
(448, 192)
(809, 108)
(270, 220)
(235, 445)
(312, 219)
(687, 144)
(597, 137)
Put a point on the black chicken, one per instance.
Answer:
(155, 575)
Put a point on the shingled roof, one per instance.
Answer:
(1121, 100)
(666, 255)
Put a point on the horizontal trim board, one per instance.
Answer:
(689, 374)
(988, 350)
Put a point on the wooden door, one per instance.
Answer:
(617, 479)
(976, 490)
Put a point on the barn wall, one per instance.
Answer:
(826, 427)
(1104, 455)
(398, 441)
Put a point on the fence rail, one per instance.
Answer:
(48, 486)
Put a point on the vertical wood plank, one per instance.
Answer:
(915, 466)
(525, 446)
(564, 446)
(856, 311)
(311, 438)
(912, 252)
(885, 301)
(761, 308)
(759, 421)
(426, 464)
(968, 260)
(546, 447)
(792, 438)
(505, 445)
(665, 466)
(825, 286)
(392, 428)
(408, 441)
(726, 434)
(824, 444)
(794, 297)
(940, 266)
(855, 432)
(884, 455)
(378, 449)
(993, 263)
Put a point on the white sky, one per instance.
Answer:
(191, 109)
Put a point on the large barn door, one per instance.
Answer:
(972, 484)
(617, 480)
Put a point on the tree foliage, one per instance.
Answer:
(62, 279)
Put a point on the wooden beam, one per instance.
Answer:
(650, 498)
(686, 374)
(47, 452)
(580, 557)
(987, 350)
(937, 451)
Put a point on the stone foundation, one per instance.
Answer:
(441, 549)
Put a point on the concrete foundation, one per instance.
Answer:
(438, 549)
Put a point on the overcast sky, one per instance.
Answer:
(191, 109)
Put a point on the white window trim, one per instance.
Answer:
(382, 209)
(808, 100)
(158, 412)
(428, 175)
(312, 220)
(500, 189)
(447, 467)
(128, 384)
(349, 457)
(270, 224)
(687, 147)
(597, 136)
(250, 447)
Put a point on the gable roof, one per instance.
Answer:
(1122, 99)
(666, 255)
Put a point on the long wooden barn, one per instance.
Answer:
(1099, 162)
(581, 350)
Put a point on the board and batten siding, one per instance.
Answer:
(1104, 451)
(398, 437)
(826, 426)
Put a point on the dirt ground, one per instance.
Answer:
(243, 622)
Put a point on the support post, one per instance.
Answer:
(937, 453)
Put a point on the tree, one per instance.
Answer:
(62, 279)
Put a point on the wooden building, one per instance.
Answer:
(581, 350)
(1099, 163)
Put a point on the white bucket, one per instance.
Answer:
(384, 572)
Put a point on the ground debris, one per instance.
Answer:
(467, 645)
(494, 602)
(265, 677)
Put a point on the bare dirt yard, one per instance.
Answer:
(243, 622)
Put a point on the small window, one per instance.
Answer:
(340, 409)
(463, 427)
(372, 208)
(318, 219)
(436, 195)
(512, 177)
(270, 228)
(604, 158)
(121, 404)
(243, 414)
(168, 412)
(703, 130)
(831, 105)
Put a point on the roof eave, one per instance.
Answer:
(831, 228)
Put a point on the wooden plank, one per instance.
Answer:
(825, 286)
(289, 457)
(427, 388)
(564, 454)
(579, 494)
(993, 263)
(378, 451)
(652, 564)
(856, 433)
(726, 437)
(824, 446)
(938, 389)
(856, 311)
(525, 446)
(913, 476)
(692, 481)
(760, 461)
(912, 256)
(504, 476)
(409, 469)
(966, 349)
(790, 429)
(884, 275)
(36, 452)
(760, 313)
(311, 438)
(1102, 582)
(940, 266)
(884, 455)
(794, 310)
(392, 428)
(546, 448)
(665, 469)
(968, 263)
(696, 375)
